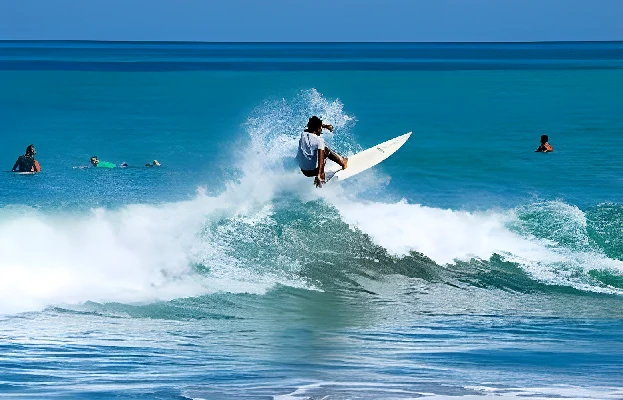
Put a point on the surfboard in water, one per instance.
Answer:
(365, 159)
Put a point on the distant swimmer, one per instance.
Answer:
(27, 162)
(96, 163)
(545, 147)
(155, 163)
(312, 152)
(101, 164)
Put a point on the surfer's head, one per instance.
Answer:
(544, 139)
(94, 160)
(314, 124)
(30, 150)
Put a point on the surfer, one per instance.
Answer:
(105, 164)
(96, 163)
(155, 163)
(312, 152)
(545, 147)
(27, 162)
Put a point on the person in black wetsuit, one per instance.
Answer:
(27, 162)
(545, 147)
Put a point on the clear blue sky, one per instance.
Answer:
(317, 20)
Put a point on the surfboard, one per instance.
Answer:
(365, 159)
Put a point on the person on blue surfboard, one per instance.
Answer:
(27, 162)
(312, 152)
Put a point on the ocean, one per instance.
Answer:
(464, 266)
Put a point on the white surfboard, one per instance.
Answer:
(365, 159)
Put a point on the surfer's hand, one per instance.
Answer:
(318, 181)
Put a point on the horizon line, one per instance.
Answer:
(295, 42)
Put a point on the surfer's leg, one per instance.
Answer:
(310, 173)
(333, 156)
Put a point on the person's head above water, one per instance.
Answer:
(544, 139)
(314, 124)
(30, 150)
(94, 161)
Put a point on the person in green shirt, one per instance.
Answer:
(95, 162)
(101, 164)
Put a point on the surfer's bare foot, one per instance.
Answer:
(344, 163)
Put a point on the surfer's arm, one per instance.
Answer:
(328, 126)
(15, 166)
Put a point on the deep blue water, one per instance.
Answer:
(465, 265)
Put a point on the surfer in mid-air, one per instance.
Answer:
(312, 152)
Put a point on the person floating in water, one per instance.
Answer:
(27, 162)
(545, 147)
(105, 164)
(155, 163)
(96, 163)
(312, 152)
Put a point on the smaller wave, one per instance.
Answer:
(550, 241)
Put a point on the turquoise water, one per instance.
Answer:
(465, 265)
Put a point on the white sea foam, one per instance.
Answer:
(380, 390)
(449, 235)
(139, 253)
